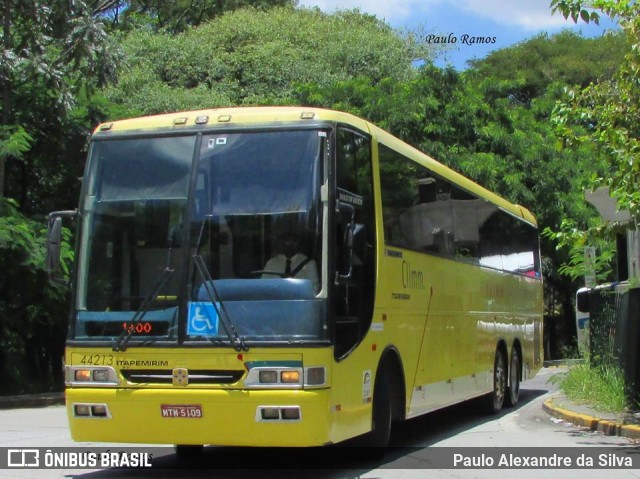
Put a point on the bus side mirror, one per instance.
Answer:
(358, 244)
(582, 301)
(353, 245)
(54, 245)
(346, 218)
(54, 241)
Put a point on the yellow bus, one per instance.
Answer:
(287, 276)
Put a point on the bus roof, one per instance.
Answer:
(264, 115)
(232, 116)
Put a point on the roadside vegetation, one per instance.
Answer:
(600, 386)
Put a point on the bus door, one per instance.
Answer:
(354, 240)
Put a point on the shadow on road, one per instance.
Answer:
(343, 461)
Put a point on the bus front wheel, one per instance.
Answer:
(188, 452)
(381, 414)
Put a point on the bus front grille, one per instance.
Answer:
(195, 376)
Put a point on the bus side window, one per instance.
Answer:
(354, 301)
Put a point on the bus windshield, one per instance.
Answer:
(231, 229)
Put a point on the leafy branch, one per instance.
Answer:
(574, 239)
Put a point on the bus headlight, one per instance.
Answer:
(101, 375)
(275, 377)
(88, 410)
(289, 377)
(82, 375)
(268, 377)
(286, 377)
(90, 376)
(315, 376)
(278, 414)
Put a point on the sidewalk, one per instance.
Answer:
(611, 424)
(31, 400)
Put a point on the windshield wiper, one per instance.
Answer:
(125, 335)
(215, 300)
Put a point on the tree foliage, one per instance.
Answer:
(33, 312)
(607, 114)
(251, 56)
(574, 239)
(524, 71)
(175, 16)
(56, 54)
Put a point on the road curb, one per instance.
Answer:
(605, 426)
(31, 400)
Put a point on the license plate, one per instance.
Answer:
(187, 411)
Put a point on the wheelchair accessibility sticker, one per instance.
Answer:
(203, 320)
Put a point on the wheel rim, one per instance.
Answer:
(514, 378)
(500, 381)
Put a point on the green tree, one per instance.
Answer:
(55, 54)
(525, 71)
(175, 16)
(252, 56)
(607, 113)
(32, 310)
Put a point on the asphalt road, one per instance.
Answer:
(418, 446)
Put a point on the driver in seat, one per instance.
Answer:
(290, 263)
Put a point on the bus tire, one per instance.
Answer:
(381, 415)
(186, 452)
(495, 399)
(513, 391)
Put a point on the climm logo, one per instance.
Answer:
(411, 278)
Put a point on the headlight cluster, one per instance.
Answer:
(91, 410)
(278, 413)
(90, 376)
(285, 377)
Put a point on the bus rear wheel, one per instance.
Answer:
(495, 399)
(514, 379)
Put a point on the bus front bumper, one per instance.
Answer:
(274, 418)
